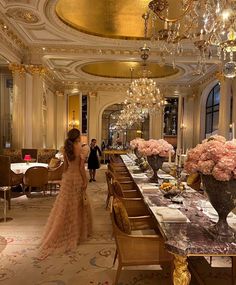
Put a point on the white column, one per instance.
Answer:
(61, 121)
(28, 110)
(37, 111)
(188, 122)
(93, 121)
(18, 110)
(156, 125)
(224, 112)
(180, 121)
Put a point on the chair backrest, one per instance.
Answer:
(14, 154)
(5, 170)
(56, 174)
(32, 151)
(36, 176)
(117, 189)
(109, 179)
(45, 154)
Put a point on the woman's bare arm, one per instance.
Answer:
(83, 174)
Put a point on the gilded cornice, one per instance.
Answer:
(10, 36)
(29, 68)
(104, 51)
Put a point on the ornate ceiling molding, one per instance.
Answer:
(23, 15)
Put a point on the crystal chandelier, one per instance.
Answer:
(143, 93)
(130, 115)
(209, 24)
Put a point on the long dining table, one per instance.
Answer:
(188, 238)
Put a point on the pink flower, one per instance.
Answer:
(206, 166)
(156, 147)
(136, 142)
(191, 166)
(221, 174)
(215, 156)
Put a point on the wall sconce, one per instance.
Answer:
(73, 123)
(182, 126)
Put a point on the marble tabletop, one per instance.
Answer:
(188, 238)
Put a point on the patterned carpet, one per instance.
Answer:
(91, 264)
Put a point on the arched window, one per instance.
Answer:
(212, 110)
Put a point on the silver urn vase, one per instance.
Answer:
(222, 196)
(155, 161)
(138, 160)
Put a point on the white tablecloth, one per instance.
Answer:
(22, 167)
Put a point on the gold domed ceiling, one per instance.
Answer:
(121, 69)
(110, 18)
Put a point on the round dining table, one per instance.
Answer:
(23, 166)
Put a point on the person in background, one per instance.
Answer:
(70, 220)
(103, 147)
(93, 160)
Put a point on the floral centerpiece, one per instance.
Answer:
(215, 160)
(156, 151)
(135, 144)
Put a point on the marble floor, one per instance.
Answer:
(90, 264)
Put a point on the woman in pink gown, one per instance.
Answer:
(70, 220)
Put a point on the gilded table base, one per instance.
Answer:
(181, 275)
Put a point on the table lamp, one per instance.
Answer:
(27, 158)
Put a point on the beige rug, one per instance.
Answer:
(91, 264)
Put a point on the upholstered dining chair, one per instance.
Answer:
(54, 177)
(127, 182)
(8, 178)
(121, 192)
(135, 249)
(45, 154)
(36, 176)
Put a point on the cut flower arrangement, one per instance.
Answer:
(156, 147)
(214, 156)
(134, 144)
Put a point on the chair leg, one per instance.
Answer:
(9, 199)
(107, 201)
(30, 191)
(115, 257)
(5, 206)
(118, 271)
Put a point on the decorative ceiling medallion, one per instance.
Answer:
(23, 15)
(121, 69)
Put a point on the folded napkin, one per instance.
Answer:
(165, 176)
(169, 215)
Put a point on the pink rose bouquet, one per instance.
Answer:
(134, 144)
(156, 147)
(214, 156)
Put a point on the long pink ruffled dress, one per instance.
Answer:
(70, 221)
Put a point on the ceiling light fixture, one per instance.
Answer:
(207, 23)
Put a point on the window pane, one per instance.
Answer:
(216, 108)
(215, 120)
(217, 98)
(210, 99)
(208, 123)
